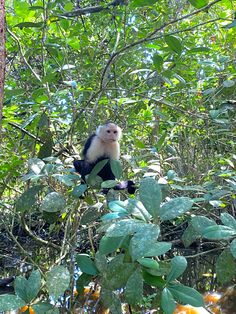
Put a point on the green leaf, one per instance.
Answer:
(228, 83)
(26, 201)
(140, 245)
(136, 208)
(200, 223)
(199, 49)
(148, 263)
(90, 215)
(233, 248)
(116, 168)
(47, 147)
(225, 267)
(167, 301)
(13, 92)
(20, 286)
(118, 206)
(86, 265)
(124, 227)
(101, 262)
(108, 184)
(117, 274)
(33, 284)
(53, 202)
(142, 3)
(83, 280)
(228, 220)
(218, 232)
(28, 289)
(186, 295)
(161, 141)
(150, 196)
(42, 308)
(134, 288)
(178, 266)
(29, 24)
(158, 248)
(152, 280)
(96, 169)
(57, 281)
(198, 3)
(79, 190)
(175, 207)
(36, 165)
(10, 302)
(111, 301)
(189, 235)
(109, 245)
(158, 62)
(112, 216)
(174, 44)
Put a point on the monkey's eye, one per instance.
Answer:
(108, 131)
(115, 132)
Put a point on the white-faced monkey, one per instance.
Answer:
(104, 144)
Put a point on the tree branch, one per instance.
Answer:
(94, 9)
(150, 37)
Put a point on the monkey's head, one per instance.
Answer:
(109, 132)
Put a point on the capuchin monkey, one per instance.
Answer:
(104, 144)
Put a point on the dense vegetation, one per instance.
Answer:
(164, 71)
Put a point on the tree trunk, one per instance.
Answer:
(2, 55)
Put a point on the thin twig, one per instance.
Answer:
(23, 56)
(150, 37)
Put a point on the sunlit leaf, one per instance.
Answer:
(150, 196)
(218, 232)
(53, 202)
(198, 3)
(175, 207)
(228, 220)
(10, 302)
(57, 281)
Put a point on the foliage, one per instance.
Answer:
(165, 72)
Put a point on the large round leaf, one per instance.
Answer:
(175, 207)
(53, 202)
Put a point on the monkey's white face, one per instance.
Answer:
(109, 132)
